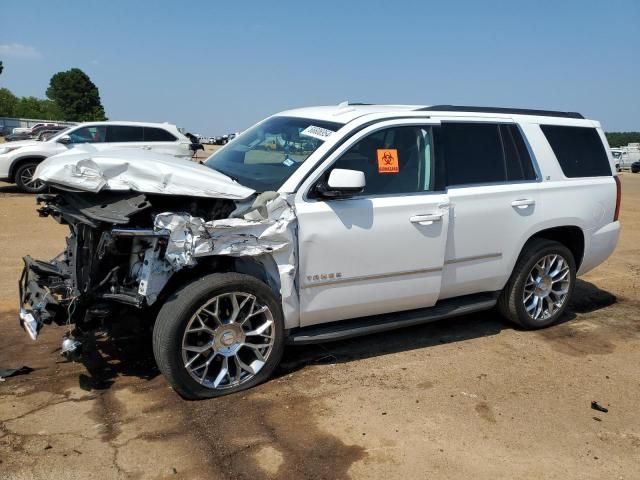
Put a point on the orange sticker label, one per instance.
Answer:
(388, 160)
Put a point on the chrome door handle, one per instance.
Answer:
(147, 147)
(426, 219)
(523, 203)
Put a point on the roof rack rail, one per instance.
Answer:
(515, 111)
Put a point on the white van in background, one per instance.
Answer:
(625, 156)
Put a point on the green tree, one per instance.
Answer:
(8, 103)
(621, 139)
(32, 107)
(76, 96)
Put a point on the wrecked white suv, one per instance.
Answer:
(321, 224)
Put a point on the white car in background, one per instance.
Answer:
(18, 160)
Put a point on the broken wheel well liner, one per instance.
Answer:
(223, 264)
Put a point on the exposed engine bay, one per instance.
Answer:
(124, 248)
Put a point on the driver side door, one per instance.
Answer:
(382, 250)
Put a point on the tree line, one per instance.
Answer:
(621, 139)
(71, 96)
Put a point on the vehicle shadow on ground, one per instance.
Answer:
(131, 354)
(13, 189)
(587, 298)
(108, 357)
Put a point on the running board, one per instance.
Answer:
(328, 332)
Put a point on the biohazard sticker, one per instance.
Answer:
(388, 160)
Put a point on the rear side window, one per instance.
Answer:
(579, 150)
(124, 133)
(478, 153)
(157, 135)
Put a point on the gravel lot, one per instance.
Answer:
(464, 398)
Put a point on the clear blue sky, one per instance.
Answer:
(216, 67)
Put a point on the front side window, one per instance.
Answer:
(124, 133)
(266, 155)
(95, 134)
(394, 160)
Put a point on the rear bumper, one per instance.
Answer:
(599, 245)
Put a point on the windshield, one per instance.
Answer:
(266, 155)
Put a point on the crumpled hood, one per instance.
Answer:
(86, 168)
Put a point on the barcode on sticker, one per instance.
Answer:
(316, 132)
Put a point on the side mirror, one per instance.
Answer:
(342, 183)
(65, 139)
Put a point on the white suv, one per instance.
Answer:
(326, 223)
(18, 160)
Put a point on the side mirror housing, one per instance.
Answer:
(65, 139)
(342, 183)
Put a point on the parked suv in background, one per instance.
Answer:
(19, 159)
(326, 223)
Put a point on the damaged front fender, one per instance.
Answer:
(265, 230)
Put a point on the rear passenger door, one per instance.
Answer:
(493, 188)
(124, 136)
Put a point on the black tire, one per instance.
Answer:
(174, 317)
(25, 171)
(511, 300)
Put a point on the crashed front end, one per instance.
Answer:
(100, 264)
(125, 246)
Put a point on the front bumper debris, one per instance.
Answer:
(29, 323)
(38, 305)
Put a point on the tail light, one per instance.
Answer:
(618, 198)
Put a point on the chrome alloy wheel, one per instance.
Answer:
(26, 177)
(547, 287)
(228, 340)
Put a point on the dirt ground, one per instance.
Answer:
(464, 398)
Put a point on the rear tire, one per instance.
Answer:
(220, 334)
(540, 285)
(25, 181)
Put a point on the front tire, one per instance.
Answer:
(540, 286)
(218, 335)
(25, 181)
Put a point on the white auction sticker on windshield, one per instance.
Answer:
(316, 132)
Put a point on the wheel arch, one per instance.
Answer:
(571, 236)
(265, 270)
(21, 160)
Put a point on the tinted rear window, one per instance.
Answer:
(516, 155)
(579, 150)
(124, 133)
(479, 153)
(157, 135)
